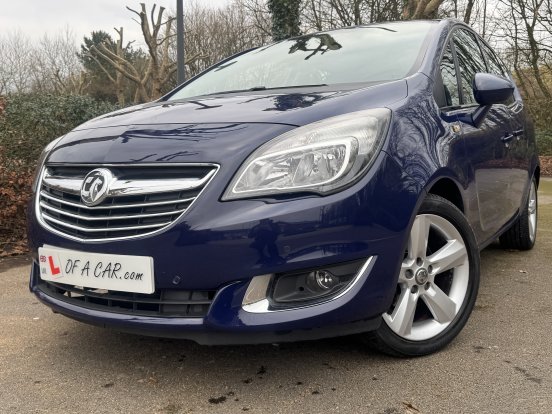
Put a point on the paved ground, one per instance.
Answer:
(500, 363)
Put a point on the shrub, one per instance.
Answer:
(31, 121)
(27, 124)
(544, 142)
(15, 191)
(541, 112)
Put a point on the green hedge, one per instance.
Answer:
(544, 142)
(541, 112)
(27, 125)
(31, 121)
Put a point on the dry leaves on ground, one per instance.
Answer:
(546, 165)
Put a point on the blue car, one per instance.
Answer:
(335, 183)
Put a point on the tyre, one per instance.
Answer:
(522, 234)
(437, 284)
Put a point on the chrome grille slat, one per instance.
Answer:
(67, 185)
(124, 188)
(100, 218)
(120, 188)
(141, 199)
(100, 229)
(160, 203)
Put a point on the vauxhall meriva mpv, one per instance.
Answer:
(334, 183)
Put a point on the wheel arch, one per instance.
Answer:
(536, 174)
(448, 188)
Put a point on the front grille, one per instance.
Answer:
(141, 200)
(166, 303)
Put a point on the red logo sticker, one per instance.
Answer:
(55, 270)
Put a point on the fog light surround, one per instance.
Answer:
(257, 290)
(311, 285)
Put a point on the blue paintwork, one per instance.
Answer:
(212, 245)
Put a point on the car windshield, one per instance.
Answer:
(363, 54)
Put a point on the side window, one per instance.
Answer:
(493, 64)
(470, 61)
(450, 81)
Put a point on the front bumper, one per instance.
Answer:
(226, 322)
(222, 245)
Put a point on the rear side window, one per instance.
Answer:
(493, 64)
(450, 80)
(470, 62)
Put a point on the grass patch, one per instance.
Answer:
(545, 186)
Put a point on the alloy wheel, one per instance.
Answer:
(532, 211)
(433, 280)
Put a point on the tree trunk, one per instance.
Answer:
(285, 18)
(469, 8)
(119, 87)
(421, 9)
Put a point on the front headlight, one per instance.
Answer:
(321, 157)
(42, 159)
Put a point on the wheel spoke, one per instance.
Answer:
(532, 205)
(532, 208)
(532, 212)
(402, 273)
(417, 243)
(451, 255)
(441, 306)
(402, 317)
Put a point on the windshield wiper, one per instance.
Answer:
(264, 88)
(294, 87)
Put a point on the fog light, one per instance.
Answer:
(322, 280)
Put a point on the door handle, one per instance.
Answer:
(507, 138)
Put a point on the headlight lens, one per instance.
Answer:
(320, 157)
(42, 160)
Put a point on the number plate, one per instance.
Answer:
(96, 270)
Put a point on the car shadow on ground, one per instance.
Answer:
(223, 373)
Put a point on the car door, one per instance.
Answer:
(517, 144)
(487, 145)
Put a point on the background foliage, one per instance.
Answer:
(28, 123)
(31, 121)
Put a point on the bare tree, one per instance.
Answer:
(258, 13)
(15, 70)
(115, 77)
(49, 64)
(527, 35)
(214, 34)
(160, 68)
(530, 16)
(55, 65)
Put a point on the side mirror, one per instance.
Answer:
(491, 89)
